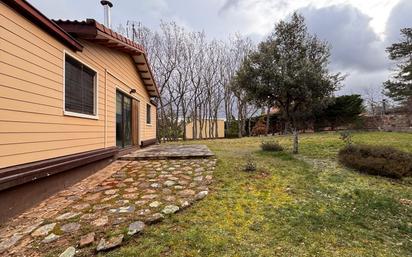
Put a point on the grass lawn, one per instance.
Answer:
(305, 205)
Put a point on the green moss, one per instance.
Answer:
(115, 232)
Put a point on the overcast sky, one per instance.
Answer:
(358, 30)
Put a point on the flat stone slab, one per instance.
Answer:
(50, 238)
(170, 209)
(9, 242)
(135, 227)
(67, 215)
(87, 239)
(69, 252)
(160, 152)
(44, 230)
(70, 227)
(111, 243)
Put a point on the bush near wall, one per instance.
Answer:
(232, 129)
(377, 160)
(275, 123)
(342, 111)
(271, 146)
(259, 128)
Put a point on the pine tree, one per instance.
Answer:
(399, 88)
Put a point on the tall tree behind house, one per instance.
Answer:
(194, 76)
(290, 71)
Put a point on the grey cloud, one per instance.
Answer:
(228, 5)
(360, 82)
(354, 43)
(400, 17)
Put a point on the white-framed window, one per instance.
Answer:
(80, 88)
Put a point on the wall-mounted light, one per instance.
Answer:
(133, 91)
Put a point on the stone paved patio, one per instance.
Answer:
(102, 211)
(169, 152)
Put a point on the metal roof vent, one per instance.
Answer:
(107, 17)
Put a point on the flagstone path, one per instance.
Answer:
(109, 207)
(169, 152)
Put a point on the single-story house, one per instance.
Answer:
(71, 93)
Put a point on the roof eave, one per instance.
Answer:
(34, 15)
(95, 32)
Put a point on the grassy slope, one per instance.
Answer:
(328, 210)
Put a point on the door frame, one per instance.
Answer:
(134, 120)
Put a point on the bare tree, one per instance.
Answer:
(240, 48)
(373, 98)
(194, 76)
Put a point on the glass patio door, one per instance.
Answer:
(123, 120)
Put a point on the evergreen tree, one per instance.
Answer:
(343, 110)
(290, 71)
(399, 88)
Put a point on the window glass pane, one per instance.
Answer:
(73, 92)
(148, 114)
(79, 87)
(119, 118)
(127, 121)
(88, 93)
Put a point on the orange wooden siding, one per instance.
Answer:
(32, 124)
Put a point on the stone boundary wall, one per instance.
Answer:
(388, 122)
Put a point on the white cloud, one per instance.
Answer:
(400, 17)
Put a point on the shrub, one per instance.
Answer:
(346, 137)
(271, 146)
(259, 128)
(377, 160)
(250, 165)
(232, 129)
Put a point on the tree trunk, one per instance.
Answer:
(286, 128)
(216, 128)
(194, 128)
(267, 121)
(240, 118)
(184, 127)
(295, 141)
(194, 122)
(249, 126)
(201, 121)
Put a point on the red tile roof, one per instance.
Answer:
(103, 29)
(93, 31)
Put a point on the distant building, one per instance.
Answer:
(206, 129)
